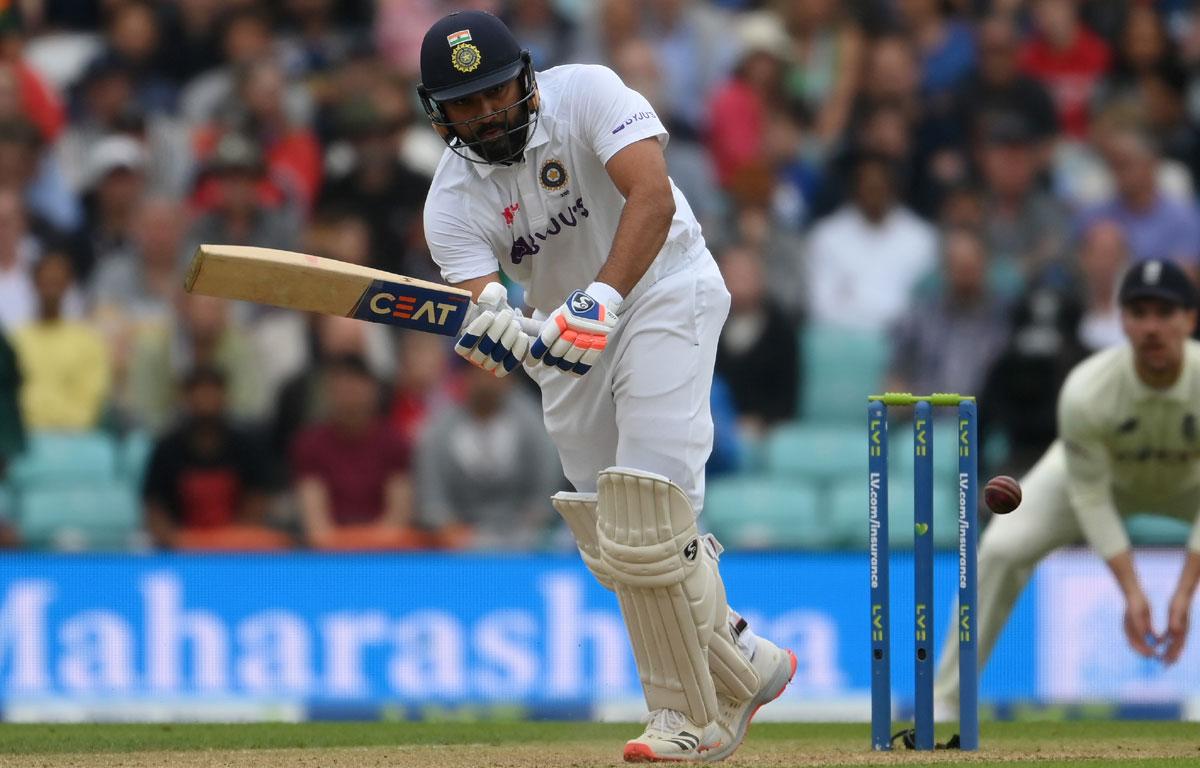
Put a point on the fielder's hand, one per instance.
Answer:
(575, 334)
(494, 340)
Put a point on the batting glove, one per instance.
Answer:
(494, 340)
(575, 334)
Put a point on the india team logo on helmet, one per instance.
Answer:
(465, 57)
(553, 175)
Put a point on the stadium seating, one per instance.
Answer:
(100, 515)
(766, 513)
(819, 452)
(841, 367)
(78, 490)
(54, 458)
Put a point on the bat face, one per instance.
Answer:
(315, 284)
(413, 306)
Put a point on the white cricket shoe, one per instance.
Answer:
(724, 735)
(669, 737)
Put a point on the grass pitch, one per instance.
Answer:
(578, 745)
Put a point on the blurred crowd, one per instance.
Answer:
(964, 180)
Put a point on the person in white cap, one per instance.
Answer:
(1129, 443)
(558, 181)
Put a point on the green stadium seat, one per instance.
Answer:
(840, 369)
(765, 513)
(1158, 531)
(133, 454)
(848, 513)
(54, 458)
(93, 516)
(818, 452)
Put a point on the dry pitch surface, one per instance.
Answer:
(574, 745)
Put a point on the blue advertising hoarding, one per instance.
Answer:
(366, 636)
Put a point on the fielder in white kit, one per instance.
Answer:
(1129, 443)
(559, 181)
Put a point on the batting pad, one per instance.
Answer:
(732, 673)
(579, 510)
(666, 584)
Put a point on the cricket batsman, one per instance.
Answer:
(1128, 443)
(557, 178)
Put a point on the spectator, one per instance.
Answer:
(865, 258)
(998, 86)
(246, 37)
(113, 191)
(351, 469)
(304, 398)
(106, 105)
(950, 343)
(824, 75)
(138, 285)
(35, 100)
(1155, 226)
(758, 356)
(691, 166)
(737, 121)
(946, 47)
(1103, 258)
(543, 30)
(1142, 48)
(205, 474)
(696, 50)
(19, 251)
(133, 293)
(1069, 59)
(1020, 394)
(245, 209)
(27, 164)
(202, 336)
(314, 43)
(1025, 229)
(486, 469)
(133, 37)
(291, 154)
(64, 363)
(378, 186)
(1161, 96)
(12, 432)
(425, 384)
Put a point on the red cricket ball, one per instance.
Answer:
(1002, 494)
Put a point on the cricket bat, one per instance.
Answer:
(327, 286)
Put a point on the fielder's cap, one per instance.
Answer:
(467, 52)
(1157, 279)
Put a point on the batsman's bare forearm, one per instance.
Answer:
(640, 173)
(1190, 576)
(1121, 565)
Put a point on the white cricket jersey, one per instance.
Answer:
(548, 221)
(1127, 445)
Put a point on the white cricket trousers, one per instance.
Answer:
(1012, 546)
(645, 404)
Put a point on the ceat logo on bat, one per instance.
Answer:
(413, 307)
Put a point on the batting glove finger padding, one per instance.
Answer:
(574, 335)
(494, 340)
